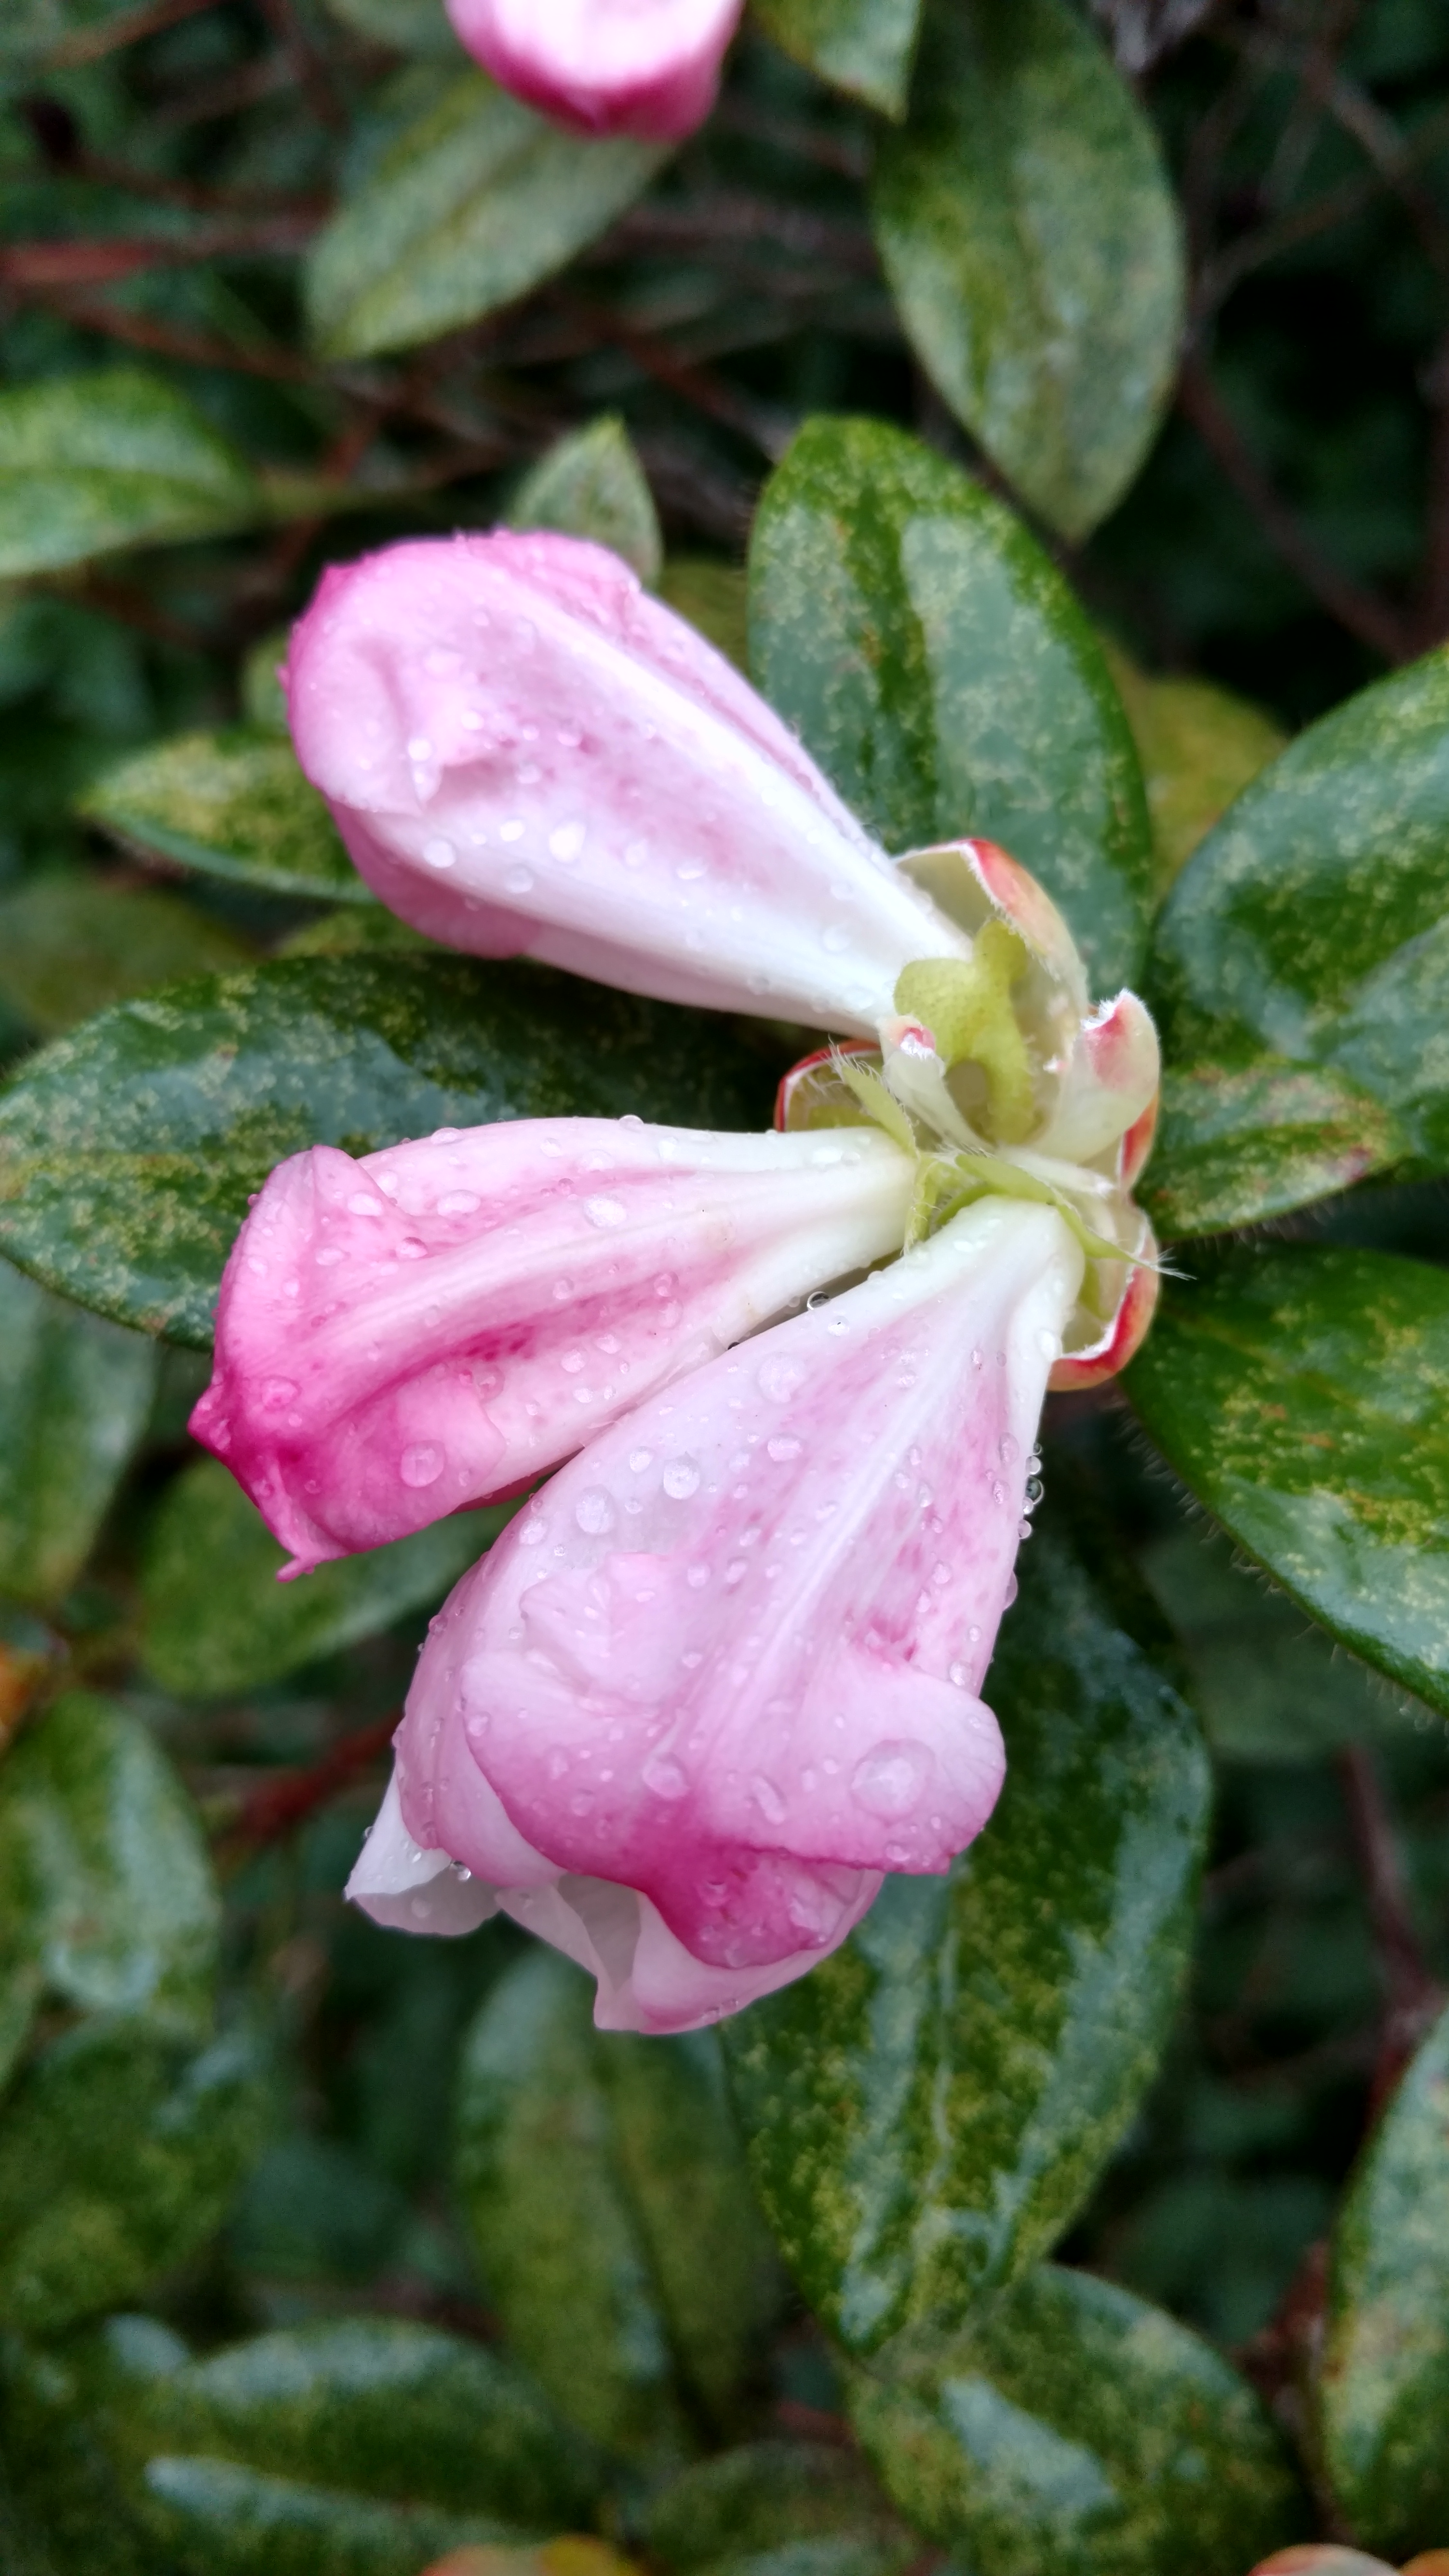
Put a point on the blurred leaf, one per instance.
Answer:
(1270, 1686)
(769, 2504)
(356, 930)
(119, 2151)
(865, 47)
(75, 1394)
(936, 664)
(605, 2191)
(113, 458)
(231, 804)
(1075, 2429)
(128, 1152)
(107, 1902)
(1300, 1393)
(214, 1617)
(408, 26)
(928, 2110)
(263, 698)
(714, 597)
(474, 204)
(1199, 747)
(70, 946)
(1309, 930)
(1031, 241)
(591, 484)
(1384, 2385)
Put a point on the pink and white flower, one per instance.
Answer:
(645, 67)
(725, 1668)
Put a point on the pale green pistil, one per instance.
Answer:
(965, 1002)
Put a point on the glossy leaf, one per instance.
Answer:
(1030, 238)
(940, 670)
(113, 458)
(1074, 2428)
(1302, 1394)
(107, 1901)
(128, 1152)
(1199, 747)
(1309, 931)
(232, 804)
(472, 205)
(752, 2506)
(864, 47)
(69, 947)
(591, 484)
(119, 2151)
(1384, 2387)
(75, 1394)
(929, 2109)
(605, 2192)
(214, 1617)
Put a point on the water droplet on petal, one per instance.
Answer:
(567, 841)
(782, 1447)
(665, 1778)
(680, 1479)
(422, 1464)
(889, 1779)
(1010, 1593)
(594, 1512)
(605, 1212)
(960, 1676)
(459, 1203)
(778, 1378)
(362, 1203)
(768, 1799)
(519, 881)
(440, 854)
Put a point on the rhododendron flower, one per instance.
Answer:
(645, 67)
(725, 1669)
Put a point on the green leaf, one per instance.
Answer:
(591, 484)
(1073, 2428)
(1030, 238)
(474, 204)
(940, 670)
(1200, 746)
(1268, 1688)
(119, 2151)
(604, 2188)
(75, 1394)
(128, 1152)
(1309, 931)
(407, 26)
(232, 804)
(215, 1619)
(1384, 2383)
(70, 946)
(1301, 1394)
(114, 458)
(929, 2109)
(865, 47)
(107, 1901)
(761, 2506)
(713, 597)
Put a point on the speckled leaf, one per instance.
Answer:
(119, 2151)
(1073, 2428)
(70, 946)
(356, 2447)
(1200, 746)
(129, 1151)
(107, 1902)
(474, 204)
(715, 598)
(1310, 930)
(1384, 2390)
(1031, 241)
(865, 47)
(74, 1397)
(757, 2506)
(214, 1617)
(1303, 1395)
(591, 484)
(605, 2191)
(232, 804)
(940, 670)
(113, 458)
(929, 2109)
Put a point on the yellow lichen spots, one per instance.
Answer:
(575, 2554)
(966, 1004)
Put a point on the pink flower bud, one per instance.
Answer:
(645, 67)
(525, 754)
(442, 1322)
(724, 1670)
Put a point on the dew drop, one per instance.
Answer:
(361, 1204)
(835, 938)
(1007, 1449)
(960, 1676)
(422, 1464)
(440, 854)
(778, 1378)
(768, 1799)
(512, 830)
(665, 1778)
(459, 1203)
(605, 1212)
(782, 1447)
(594, 1512)
(889, 1779)
(519, 881)
(566, 842)
(680, 1479)
(1010, 1593)
(639, 1459)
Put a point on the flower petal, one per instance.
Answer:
(442, 1321)
(604, 66)
(526, 754)
(729, 1658)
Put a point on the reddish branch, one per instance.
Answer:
(288, 1798)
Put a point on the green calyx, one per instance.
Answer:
(965, 1002)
